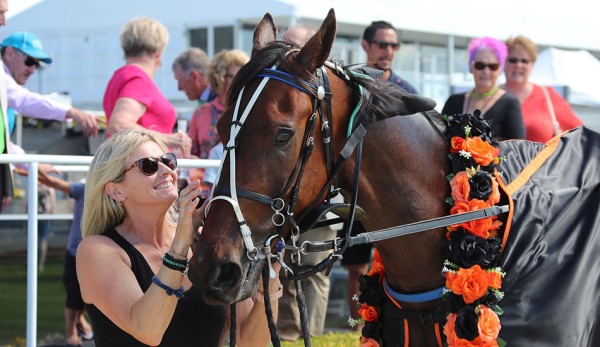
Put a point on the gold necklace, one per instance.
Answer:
(484, 95)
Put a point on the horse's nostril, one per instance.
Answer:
(229, 275)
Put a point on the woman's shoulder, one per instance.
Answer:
(97, 246)
(508, 98)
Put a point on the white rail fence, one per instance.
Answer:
(63, 163)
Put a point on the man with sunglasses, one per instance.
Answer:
(22, 55)
(380, 42)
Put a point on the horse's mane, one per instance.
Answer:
(381, 99)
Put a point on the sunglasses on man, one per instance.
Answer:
(29, 61)
(385, 44)
(149, 166)
(481, 66)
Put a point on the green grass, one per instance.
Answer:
(329, 340)
(50, 310)
(13, 299)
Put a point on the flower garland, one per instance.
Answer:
(371, 297)
(473, 278)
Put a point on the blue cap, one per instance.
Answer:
(29, 43)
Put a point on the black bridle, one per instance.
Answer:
(284, 213)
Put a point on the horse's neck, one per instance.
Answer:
(403, 180)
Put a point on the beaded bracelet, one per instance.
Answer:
(175, 264)
(170, 291)
(259, 296)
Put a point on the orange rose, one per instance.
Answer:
(460, 186)
(377, 267)
(368, 313)
(457, 144)
(488, 325)
(485, 227)
(494, 279)
(368, 342)
(471, 283)
(483, 153)
(449, 329)
(450, 277)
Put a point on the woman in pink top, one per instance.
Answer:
(522, 53)
(132, 99)
(221, 71)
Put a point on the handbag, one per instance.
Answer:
(557, 129)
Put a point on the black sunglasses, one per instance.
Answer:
(480, 66)
(29, 61)
(149, 166)
(514, 60)
(384, 44)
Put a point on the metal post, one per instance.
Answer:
(32, 254)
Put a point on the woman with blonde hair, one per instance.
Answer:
(132, 100)
(137, 238)
(545, 112)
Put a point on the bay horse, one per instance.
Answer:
(278, 164)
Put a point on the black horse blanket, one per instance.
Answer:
(552, 253)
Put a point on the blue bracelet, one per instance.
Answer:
(170, 291)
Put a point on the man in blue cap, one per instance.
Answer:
(22, 54)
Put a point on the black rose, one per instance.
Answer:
(453, 302)
(481, 185)
(371, 330)
(466, 250)
(460, 163)
(371, 290)
(466, 323)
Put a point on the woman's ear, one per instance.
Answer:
(112, 189)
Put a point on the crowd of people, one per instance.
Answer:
(134, 223)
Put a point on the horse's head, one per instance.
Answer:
(278, 106)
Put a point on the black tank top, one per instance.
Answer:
(194, 322)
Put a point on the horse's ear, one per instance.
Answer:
(265, 32)
(316, 50)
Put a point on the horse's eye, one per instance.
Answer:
(284, 136)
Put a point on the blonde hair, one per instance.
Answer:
(143, 36)
(101, 212)
(219, 65)
(524, 42)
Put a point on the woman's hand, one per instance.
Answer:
(184, 234)
(181, 143)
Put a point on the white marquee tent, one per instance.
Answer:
(579, 70)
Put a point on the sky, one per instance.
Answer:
(17, 6)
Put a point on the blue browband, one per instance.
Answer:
(414, 298)
(287, 78)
